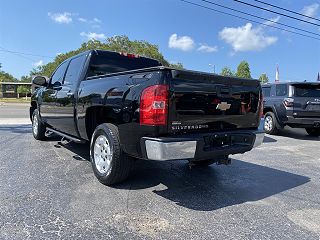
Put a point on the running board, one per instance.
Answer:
(74, 139)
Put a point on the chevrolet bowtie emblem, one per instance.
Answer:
(223, 106)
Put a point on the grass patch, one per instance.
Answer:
(15, 100)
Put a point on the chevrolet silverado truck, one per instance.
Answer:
(128, 107)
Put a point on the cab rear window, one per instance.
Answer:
(307, 90)
(103, 63)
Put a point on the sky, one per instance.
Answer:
(199, 38)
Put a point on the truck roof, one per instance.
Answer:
(291, 83)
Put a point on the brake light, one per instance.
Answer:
(129, 55)
(261, 103)
(154, 105)
(288, 102)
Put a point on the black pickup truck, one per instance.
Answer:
(129, 107)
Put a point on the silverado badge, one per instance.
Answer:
(223, 106)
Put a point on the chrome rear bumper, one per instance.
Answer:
(192, 147)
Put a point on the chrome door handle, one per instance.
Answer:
(69, 94)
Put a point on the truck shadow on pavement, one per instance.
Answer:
(214, 187)
(200, 189)
(268, 139)
(204, 189)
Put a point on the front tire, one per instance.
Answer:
(38, 128)
(270, 124)
(109, 163)
(314, 132)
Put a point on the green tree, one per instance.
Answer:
(117, 44)
(176, 65)
(264, 78)
(243, 70)
(226, 71)
(26, 79)
(23, 90)
(6, 77)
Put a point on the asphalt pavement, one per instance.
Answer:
(13, 113)
(48, 191)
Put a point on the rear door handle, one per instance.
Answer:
(69, 94)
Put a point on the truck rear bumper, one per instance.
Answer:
(201, 146)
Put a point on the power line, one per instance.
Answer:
(287, 10)
(252, 15)
(17, 54)
(22, 53)
(247, 19)
(282, 14)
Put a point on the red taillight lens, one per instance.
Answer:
(129, 55)
(261, 106)
(154, 105)
(288, 102)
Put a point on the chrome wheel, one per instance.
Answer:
(35, 125)
(268, 123)
(102, 154)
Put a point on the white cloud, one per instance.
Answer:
(246, 38)
(97, 20)
(272, 21)
(207, 49)
(93, 21)
(61, 17)
(82, 20)
(93, 35)
(38, 64)
(184, 43)
(311, 10)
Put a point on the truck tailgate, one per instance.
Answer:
(201, 102)
(306, 100)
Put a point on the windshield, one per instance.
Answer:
(307, 90)
(112, 62)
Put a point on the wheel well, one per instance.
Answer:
(268, 109)
(32, 108)
(96, 116)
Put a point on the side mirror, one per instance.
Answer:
(39, 80)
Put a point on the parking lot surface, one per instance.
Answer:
(48, 191)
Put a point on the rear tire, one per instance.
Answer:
(314, 132)
(109, 163)
(270, 124)
(38, 128)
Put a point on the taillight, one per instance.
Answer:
(129, 55)
(154, 105)
(261, 102)
(288, 102)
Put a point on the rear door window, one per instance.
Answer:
(266, 91)
(307, 90)
(281, 90)
(74, 70)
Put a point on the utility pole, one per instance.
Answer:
(214, 67)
